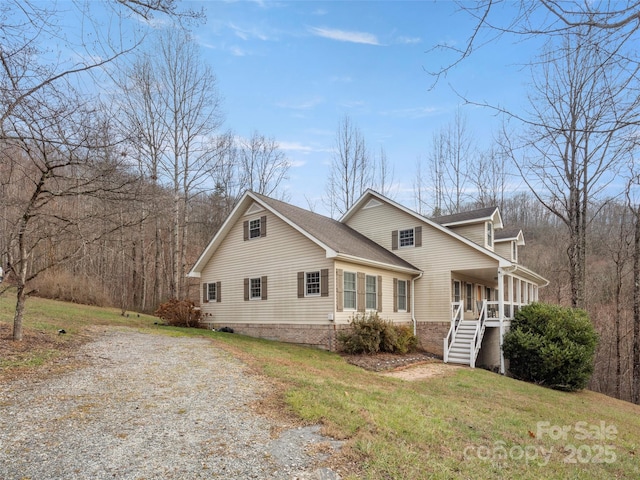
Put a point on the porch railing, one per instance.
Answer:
(451, 336)
(476, 342)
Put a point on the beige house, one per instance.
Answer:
(281, 272)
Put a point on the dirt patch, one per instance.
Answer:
(422, 371)
(381, 362)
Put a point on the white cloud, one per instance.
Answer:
(345, 36)
(408, 40)
(295, 147)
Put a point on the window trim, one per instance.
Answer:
(354, 291)
(489, 234)
(370, 294)
(252, 288)
(413, 238)
(399, 296)
(317, 283)
(214, 297)
(254, 230)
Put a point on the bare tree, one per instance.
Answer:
(187, 98)
(263, 166)
(633, 203)
(619, 21)
(351, 170)
(578, 131)
(47, 131)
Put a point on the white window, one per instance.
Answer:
(371, 284)
(255, 288)
(212, 292)
(514, 251)
(312, 283)
(349, 290)
(457, 291)
(406, 237)
(254, 228)
(489, 234)
(402, 295)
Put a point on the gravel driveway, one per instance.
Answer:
(147, 406)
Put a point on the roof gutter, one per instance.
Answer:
(373, 263)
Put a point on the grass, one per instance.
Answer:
(470, 424)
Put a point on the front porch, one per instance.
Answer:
(486, 299)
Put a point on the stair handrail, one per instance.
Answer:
(476, 342)
(451, 336)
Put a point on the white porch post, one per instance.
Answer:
(501, 315)
(511, 296)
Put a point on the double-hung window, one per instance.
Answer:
(254, 228)
(349, 290)
(371, 292)
(212, 292)
(406, 237)
(489, 234)
(402, 295)
(255, 288)
(312, 283)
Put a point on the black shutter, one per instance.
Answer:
(218, 292)
(394, 240)
(246, 289)
(205, 293)
(263, 288)
(245, 229)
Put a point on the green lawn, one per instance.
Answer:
(470, 424)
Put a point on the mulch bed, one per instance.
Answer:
(381, 362)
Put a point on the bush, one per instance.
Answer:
(179, 313)
(370, 334)
(552, 346)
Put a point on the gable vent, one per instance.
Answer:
(372, 203)
(254, 208)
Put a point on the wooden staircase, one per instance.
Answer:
(460, 349)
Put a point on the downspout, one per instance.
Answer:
(413, 302)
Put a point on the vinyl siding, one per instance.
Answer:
(387, 292)
(279, 256)
(438, 256)
(476, 232)
(504, 249)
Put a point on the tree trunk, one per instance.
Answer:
(636, 309)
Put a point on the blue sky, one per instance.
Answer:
(292, 70)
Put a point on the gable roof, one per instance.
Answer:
(511, 234)
(337, 239)
(472, 216)
(502, 262)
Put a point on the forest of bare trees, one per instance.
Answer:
(108, 199)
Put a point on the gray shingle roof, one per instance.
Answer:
(336, 235)
(507, 233)
(469, 216)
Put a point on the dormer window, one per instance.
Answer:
(489, 234)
